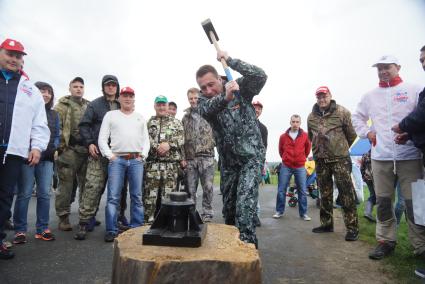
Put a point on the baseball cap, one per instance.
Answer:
(127, 90)
(13, 45)
(322, 90)
(161, 99)
(257, 103)
(386, 59)
(77, 79)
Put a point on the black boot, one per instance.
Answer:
(82, 232)
(383, 249)
(323, 229)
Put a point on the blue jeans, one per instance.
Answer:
(285, 175)
(117, 170)
(42, 173)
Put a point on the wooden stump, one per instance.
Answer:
(221, 259)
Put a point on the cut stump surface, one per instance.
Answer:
(222, 258)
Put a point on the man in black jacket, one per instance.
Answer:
(413, 127)
(97, 166)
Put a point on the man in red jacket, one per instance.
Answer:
(294, 147)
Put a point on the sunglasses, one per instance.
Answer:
(127, 95)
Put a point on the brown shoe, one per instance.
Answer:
(64, 224)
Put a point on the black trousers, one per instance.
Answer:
(9, 173)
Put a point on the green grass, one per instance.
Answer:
(402, 263)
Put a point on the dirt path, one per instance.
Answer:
(291, 253)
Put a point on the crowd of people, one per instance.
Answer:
(107, 144)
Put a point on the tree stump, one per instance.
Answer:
(221, 259)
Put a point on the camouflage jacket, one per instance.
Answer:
(234, 123)
(330, 132)
(165, 129)
(70, 113)
(198, 136)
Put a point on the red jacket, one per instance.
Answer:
(294, 152)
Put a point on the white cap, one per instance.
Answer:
(387, 59)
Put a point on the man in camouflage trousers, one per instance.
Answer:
(166, 146)
(199, 154)
(331, 133)
(72, 160)
(97, 165)
(238, 138)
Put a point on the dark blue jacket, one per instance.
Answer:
(414, 123)
(8, 89)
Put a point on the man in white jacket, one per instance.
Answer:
(24, 133)
(385, 106)
(129, 145)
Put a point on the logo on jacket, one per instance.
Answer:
(401, 97)
(26, 89)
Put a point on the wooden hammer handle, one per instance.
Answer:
(215, 42)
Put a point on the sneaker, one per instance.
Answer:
(277, 215)
(323, 229)
(420, 272)
(7, 244)
(46, 235)
(82, 232)
(109, 237)
(351, 236)
(5, 253)
(306, 218)
(19, 238)
(383, 249)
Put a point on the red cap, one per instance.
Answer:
(13, 45)
(127, 90)
(322, 90)
(257, 103)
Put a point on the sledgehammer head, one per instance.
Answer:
(208, 27)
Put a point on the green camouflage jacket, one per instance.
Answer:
(165, 129)
(234, 123)
(331, 132)
(198, 136)
(70, 113)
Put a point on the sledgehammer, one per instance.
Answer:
(213, 37)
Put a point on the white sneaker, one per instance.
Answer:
(306, 218)
(277, 215)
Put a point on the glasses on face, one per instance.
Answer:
(111, 84)
(15, 54)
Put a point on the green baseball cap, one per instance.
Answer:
(161, 99)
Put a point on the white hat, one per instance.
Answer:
(387, 59)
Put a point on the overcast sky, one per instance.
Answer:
(157, 46)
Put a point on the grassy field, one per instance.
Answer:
(402, 263)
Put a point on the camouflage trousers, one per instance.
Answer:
(96, 177)
(160, 179)
(201, 168)
(239, 185)
(71, 164)
(341, 171)
(95, 184)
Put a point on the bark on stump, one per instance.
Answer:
(222, 259)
